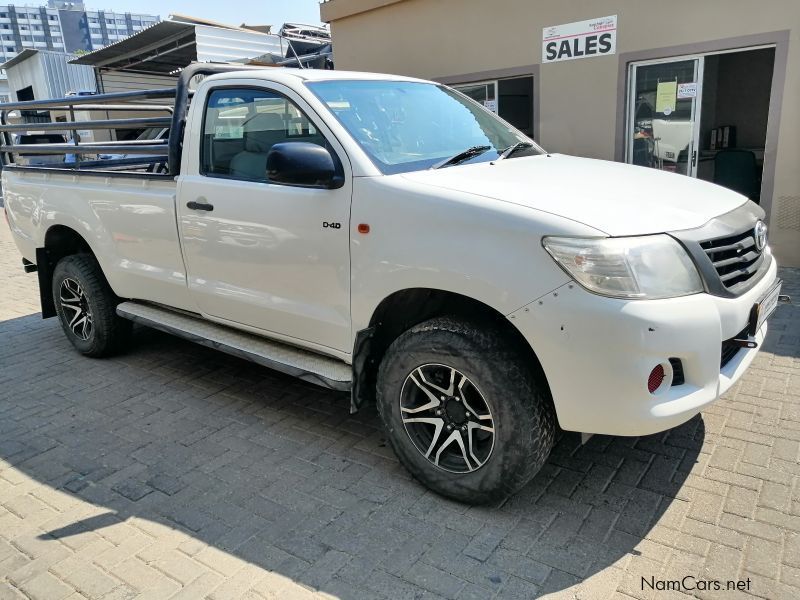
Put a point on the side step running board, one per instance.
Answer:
(303, 364)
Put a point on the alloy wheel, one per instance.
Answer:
(75, 304)
(447, 418)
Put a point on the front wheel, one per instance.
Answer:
(86, 307)
(463, 412)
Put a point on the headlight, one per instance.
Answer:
(647, 267)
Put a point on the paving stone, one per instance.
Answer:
(760, 557)
(775, 496)
(706, 507)
(390, 586)
(741, 502)
(149, 581)
(514, 587)
(483, 544)
(791, 550)
(338, 588)
(639, 512)
(9, 592)
(721, 563)
(200, 587)
(84, 577)
(324, 569)
(434, 580)
(724, 458)
(46, 586)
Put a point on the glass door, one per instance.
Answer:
(664, 114)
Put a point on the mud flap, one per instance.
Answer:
(45, 272)
(359, 394)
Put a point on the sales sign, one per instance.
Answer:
(585, 39)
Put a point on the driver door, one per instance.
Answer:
(264, 256)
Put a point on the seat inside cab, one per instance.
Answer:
(261, 132)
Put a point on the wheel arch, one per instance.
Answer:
(405, 308)
(59, 241)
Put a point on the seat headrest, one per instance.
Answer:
(262, 131)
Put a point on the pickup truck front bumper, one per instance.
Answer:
(597, 354)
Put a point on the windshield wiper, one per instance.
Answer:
(462, 156)
(513, 148)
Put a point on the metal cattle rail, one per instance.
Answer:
(148, 154)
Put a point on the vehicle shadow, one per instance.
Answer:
(278, 473)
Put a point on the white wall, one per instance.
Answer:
(50, 76)
(27, 73)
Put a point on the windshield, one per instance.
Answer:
(408, 126)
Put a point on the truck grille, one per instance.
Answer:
(735, 258)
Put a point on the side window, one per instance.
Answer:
(240, 127)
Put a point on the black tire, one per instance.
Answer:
(79, 276)
(520, 408)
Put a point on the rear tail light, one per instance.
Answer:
(656, 378)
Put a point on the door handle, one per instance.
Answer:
(200, 204)
(694, 158)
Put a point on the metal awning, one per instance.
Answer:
(161, 48)
(169, 46)
(22, 56)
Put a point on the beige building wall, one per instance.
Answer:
(580, 102)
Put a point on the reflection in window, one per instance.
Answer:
(661, 139)
(242, 126)
(407, 126)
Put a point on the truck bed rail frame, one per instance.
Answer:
(152, 151)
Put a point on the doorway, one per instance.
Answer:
(511, 98)
(703, 116)
(25, 94)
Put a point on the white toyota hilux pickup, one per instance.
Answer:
(390, 237)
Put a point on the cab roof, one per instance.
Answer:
(292, 75)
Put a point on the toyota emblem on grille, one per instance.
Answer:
(760, 235)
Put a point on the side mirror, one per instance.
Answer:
(303, 164)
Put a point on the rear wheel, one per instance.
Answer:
(86, 307)
(463, 410)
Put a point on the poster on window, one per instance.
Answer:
(666, 93)
(687, 90)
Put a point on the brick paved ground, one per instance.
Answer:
(177, 471)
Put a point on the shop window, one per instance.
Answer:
(511, 99)
(515, 103)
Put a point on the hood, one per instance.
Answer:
(616, 198)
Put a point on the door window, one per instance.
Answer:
(241, 126)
